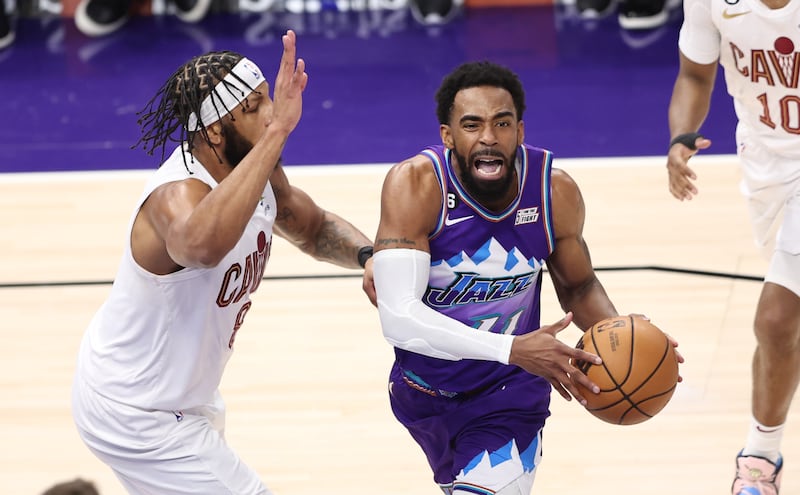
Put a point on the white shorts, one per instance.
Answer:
(508, 477)
(162, 452)
(771, 186)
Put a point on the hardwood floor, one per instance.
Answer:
(307, 405)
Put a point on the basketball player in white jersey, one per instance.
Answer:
(145, 394)
(756, 42)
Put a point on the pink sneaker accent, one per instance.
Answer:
(756, 476)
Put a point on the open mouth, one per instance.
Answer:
(488, 166)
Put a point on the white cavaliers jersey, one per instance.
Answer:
(162, 341)
(759, 49)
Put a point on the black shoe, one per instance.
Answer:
(101, 17)
(191, 10)
(594, 9)
(434, 12)
(6, 29)
(643, 14)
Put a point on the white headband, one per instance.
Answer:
(227, 94)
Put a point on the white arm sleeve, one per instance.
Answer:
(401, 277)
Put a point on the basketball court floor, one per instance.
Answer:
(306, 388)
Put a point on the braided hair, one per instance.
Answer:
(166, 116)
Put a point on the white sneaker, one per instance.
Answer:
(191, 10)
(643, 14)
(101, 17)
(6, 29)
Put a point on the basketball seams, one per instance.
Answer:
(643, 363)
(628, 396)
(616, 386)
(655, 368)
(631, 353)
(635, 406)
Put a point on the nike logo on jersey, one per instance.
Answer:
(452, 221)
(728, 15)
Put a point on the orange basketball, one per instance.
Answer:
(638, 374)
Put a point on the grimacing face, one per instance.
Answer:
(484, 134)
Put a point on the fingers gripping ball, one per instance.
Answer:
(639, 371)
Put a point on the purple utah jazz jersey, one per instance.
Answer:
(485, 269)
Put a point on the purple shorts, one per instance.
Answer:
(453, 431)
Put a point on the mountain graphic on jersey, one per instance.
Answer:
(492, 274)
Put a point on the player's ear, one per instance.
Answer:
(447, 136)
(215, 133)
(521, 132)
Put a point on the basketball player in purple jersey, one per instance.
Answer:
(465, 231)
(756, 43)
(146, 397)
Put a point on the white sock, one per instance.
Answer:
(764, 441)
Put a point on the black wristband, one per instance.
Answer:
(364, 254)
(687, 139)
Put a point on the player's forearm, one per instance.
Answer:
(219, 219)
(589, 304)
(337, 241)
(689, 106)
(401, 277)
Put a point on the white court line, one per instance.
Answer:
(351, 169)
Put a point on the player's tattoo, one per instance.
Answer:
(386, 241)
(336, 241)
(285, 216)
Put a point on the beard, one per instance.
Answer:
(486, 191)
(236, 146)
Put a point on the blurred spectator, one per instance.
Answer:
(633, 14)
(434, 12)
(102, 17)
(74, 487)
(6, 28)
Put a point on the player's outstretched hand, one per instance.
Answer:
(542, 354)
(681, 176)
(289, 85)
